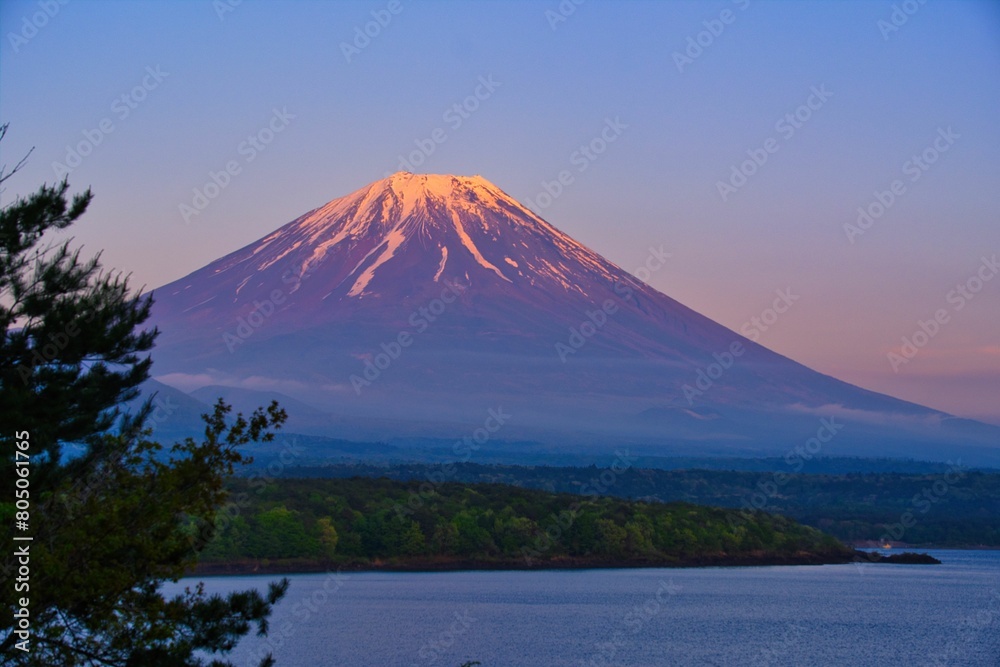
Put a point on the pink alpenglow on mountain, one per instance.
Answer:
(412, 306)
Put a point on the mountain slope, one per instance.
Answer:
(410, 307)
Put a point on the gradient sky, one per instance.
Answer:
(224, 73)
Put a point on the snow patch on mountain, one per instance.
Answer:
(471, 247)
(392, 243)
(444, 260)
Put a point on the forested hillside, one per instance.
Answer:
(956, 508)
(381, 522)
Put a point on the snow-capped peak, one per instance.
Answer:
(515, 312)
(455, 225)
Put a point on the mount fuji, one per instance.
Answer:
(409, 309)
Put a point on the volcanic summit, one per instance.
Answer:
(415, 304)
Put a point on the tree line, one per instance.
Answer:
(370, 520)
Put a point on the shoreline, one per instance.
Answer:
(307, 566)
(902, 546)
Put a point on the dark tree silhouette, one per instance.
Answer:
(111, 514)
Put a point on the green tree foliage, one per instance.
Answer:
(277, 533)
(954, 509)
(492, 523)
(328, 537)
(113, 514)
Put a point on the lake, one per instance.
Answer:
(872, 614)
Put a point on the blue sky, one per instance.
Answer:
(885, 81)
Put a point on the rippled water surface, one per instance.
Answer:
(829, 615)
